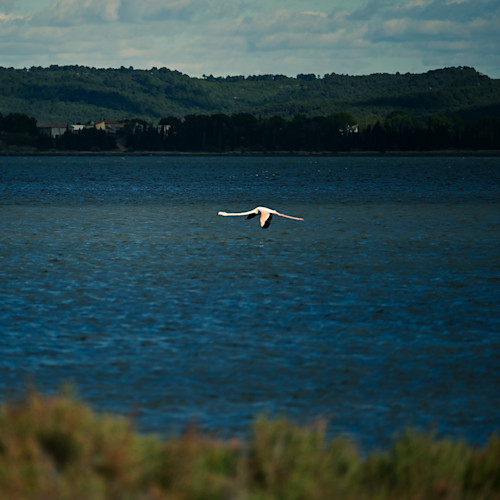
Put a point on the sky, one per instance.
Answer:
(253, 37)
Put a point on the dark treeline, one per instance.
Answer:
(337, 132)
(89, 139)
(18, 129)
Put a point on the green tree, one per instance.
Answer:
(441, 132)
(18, 123)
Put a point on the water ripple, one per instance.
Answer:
(379, 311)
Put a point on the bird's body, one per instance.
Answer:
(266, 214)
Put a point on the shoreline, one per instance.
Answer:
(440, 153)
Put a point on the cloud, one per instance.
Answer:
(6, 6)
(312, 13)
(76, 12)
(456, 11)
(411, 30)
(433, 25)
(6, 18)
(285, 30)
(159, 10)
(280, 21)
(84, 12)
(225, 37)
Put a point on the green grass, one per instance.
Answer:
(59, 448)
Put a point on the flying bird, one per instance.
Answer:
(266, 214)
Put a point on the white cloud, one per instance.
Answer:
(312, 13)
(6, 18)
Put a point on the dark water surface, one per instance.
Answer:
(378, 312)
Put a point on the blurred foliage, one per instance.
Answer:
(79, 94)
(58, 448)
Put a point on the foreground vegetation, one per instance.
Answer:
(58, 448)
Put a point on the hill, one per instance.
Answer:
(79, 94)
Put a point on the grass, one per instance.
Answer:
(59, 448)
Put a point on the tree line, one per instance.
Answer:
(337, 132)
(79, 92)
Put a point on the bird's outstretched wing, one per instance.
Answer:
(266, 215)
(267, 222)
(230, 214)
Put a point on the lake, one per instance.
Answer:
(379, 312)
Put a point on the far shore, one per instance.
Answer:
(17, 151)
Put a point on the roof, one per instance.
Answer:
(52, 125)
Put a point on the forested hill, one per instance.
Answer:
(79, 94)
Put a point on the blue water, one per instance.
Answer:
(380, 311)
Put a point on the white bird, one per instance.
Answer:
(266, 214)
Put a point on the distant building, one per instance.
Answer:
(76, 128)
(52, 129)
(163, 129)
(350, 129)
(109, 126)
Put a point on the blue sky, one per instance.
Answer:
(251, 37)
